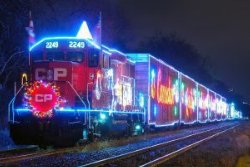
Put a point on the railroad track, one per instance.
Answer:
(157, 154)
(16, 150)
(9, 159)
(121, 160)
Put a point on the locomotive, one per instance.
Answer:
(78, 89)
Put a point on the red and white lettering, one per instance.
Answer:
(43, 97)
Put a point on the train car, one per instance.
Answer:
(203, 103)
(158, 83)
(78, 89)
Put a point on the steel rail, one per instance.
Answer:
(39, 154)
(128, 155)
(173, 154)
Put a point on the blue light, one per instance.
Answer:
(84, 32)
(63, 38)
(108, 53)
(141, 100)
(23, 110)
(96, 110)
(155, 110)
(113, 50)
(163, 125)
(139, 57)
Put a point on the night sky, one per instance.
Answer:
(218, 29)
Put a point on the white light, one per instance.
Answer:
(110, 73)
(84, 32)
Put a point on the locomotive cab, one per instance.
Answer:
(72, 66)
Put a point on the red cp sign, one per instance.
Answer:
(43, 98)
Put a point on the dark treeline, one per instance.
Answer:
(53, 17)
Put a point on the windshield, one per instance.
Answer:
(37, 55)
(93, 59)
(58, 55)
(75, 56)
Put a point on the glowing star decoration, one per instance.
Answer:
(84, 32)
(42, 98)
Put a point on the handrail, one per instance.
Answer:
(77, 94)
(11, 104)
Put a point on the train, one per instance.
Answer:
(78, 90)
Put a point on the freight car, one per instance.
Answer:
(78, 89)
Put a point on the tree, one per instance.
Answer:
(13, 59)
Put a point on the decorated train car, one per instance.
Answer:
(78, 89)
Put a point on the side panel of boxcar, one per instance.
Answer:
(202, 95)
(164, 94)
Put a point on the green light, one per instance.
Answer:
(138, 127)
(182, 86)
(103, 117)
(176, 82)
(84, 134)
(175, 110)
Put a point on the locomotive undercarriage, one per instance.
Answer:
(67, 129)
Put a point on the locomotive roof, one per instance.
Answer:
(91, 42)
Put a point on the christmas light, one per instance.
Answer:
(42, 98)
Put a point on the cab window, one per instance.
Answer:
(75, 56)
(58, 55)
(37, 55)
(93, 59)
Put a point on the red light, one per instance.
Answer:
(42, 98)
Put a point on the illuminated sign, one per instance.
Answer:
(76, 44)
(71, 44)
(163, 93)
(50, 45)
(42, 98)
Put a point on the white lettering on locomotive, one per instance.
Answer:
(43, 97)
(59, 72)
(40, 74)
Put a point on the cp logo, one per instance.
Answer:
(43, 74)
(43, 97)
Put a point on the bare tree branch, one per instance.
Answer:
(5, 64)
